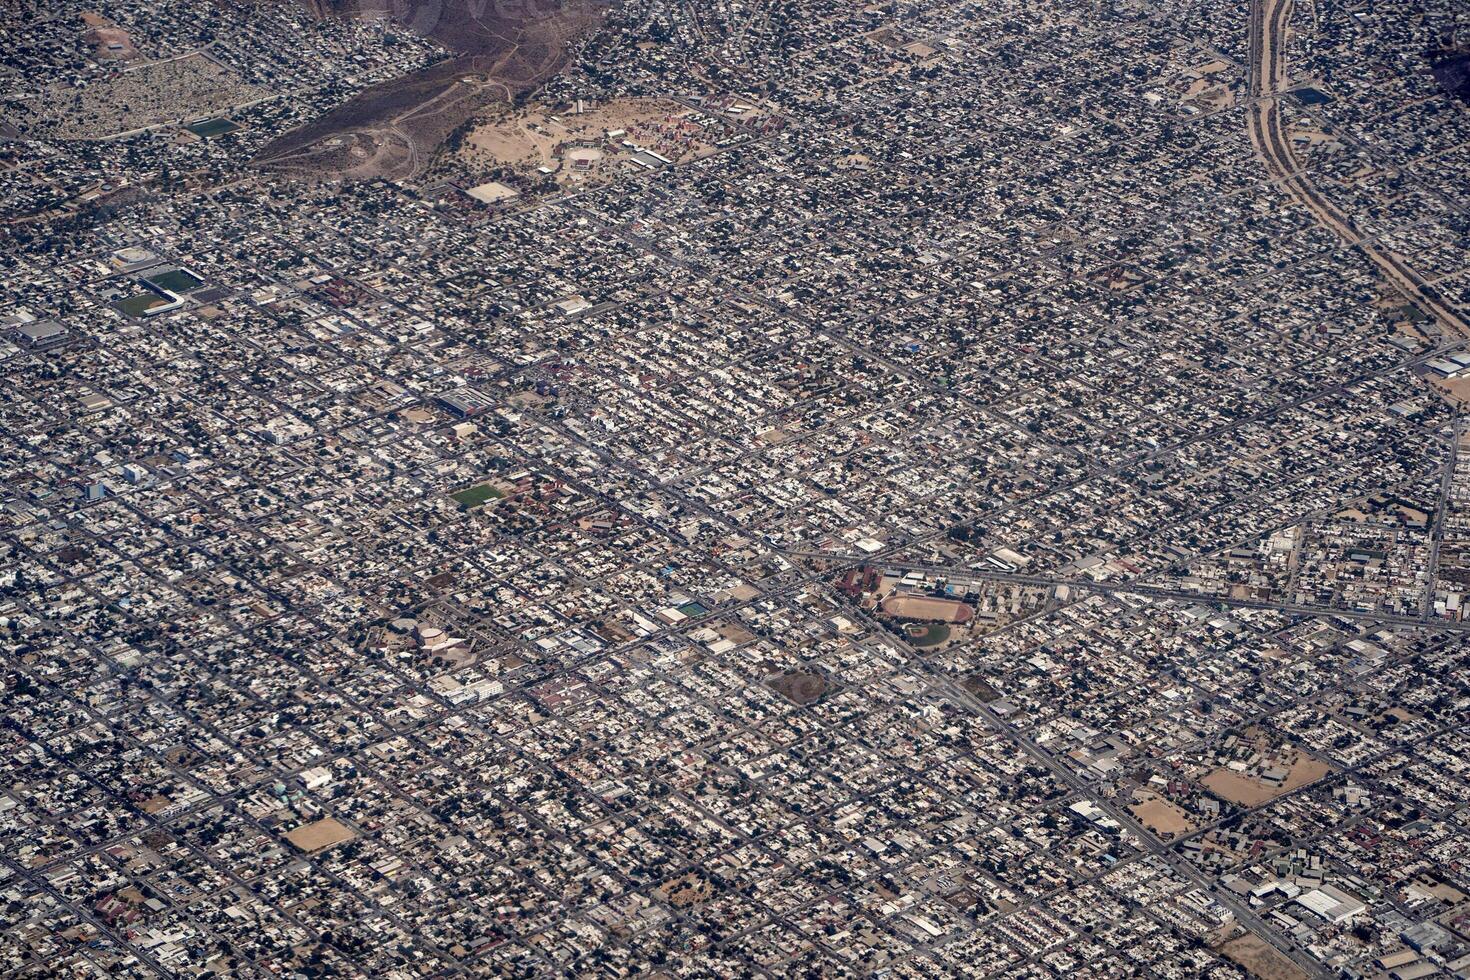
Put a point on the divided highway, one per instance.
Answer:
(1268, 81)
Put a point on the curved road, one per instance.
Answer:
(1269, 20)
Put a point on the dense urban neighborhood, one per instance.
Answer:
(747, 488)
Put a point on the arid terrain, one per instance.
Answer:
(392, 129)
(586, 145)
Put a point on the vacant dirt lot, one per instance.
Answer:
(111, 44)
(1162, 817)
(980, 688)
(686, 890)
(319, 835)
(1257, 957)
(1247, 790)
(798, 686)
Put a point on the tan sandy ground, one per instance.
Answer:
(319, 835)
(686, 890)
(1457, 390)
(1196, 87)
(1237, 787)
(1162, 817)
(1260, 959)
(530, 138)
(491, 191)
(1411, 515)
(1311, 135)
(924, 607)
(110, 44)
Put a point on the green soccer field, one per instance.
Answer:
(475, 496)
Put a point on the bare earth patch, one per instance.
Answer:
(1247, 790)
(1164, 818)
(799, 687)
(580, 145)
(1259, 959)
(393, 129)
(319, 835)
